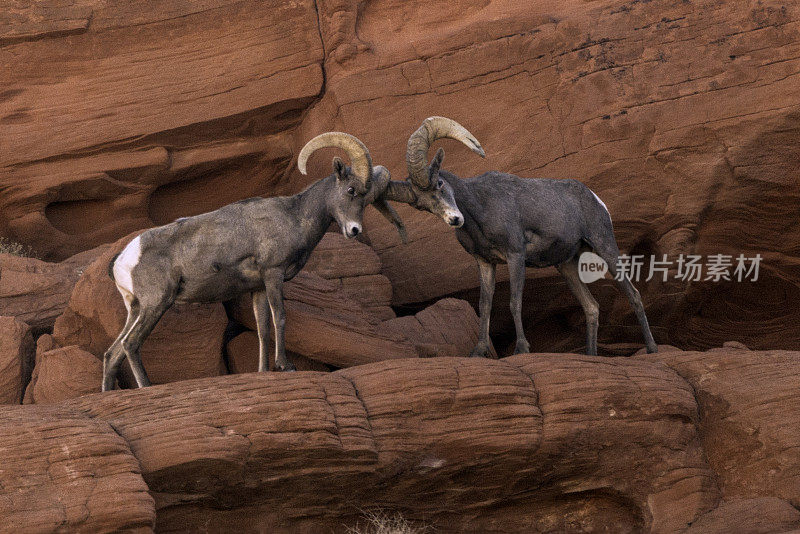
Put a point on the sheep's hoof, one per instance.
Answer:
(288, 368)
(522, 347)
(481, 351)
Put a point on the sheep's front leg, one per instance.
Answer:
(487, 272)
(516, 278)
(274, 291)
(261, 313)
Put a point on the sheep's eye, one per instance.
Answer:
(440, 183)
(351, 191)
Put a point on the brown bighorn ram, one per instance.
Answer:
(502, 218)
(250, 246)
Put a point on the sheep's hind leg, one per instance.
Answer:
(636, 303)
(115, 353)
(142, 327)
(569, 270)
(634, 298)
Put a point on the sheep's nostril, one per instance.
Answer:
(454, 220)
(355, 230)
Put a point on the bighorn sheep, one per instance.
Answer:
(253, 245)
(521, 222)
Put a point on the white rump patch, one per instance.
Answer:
(124, 265)
(601, 203)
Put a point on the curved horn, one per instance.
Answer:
(400, 192)
(434, 128)
(380, 180)
(380, 189)
(360, 161)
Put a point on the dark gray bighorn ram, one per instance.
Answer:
(502, 218)
(250, 246)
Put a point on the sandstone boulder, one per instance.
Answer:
(36, 291)
(65, 472)
(530, 443)
(683, 118)
(63, 373)
(16, 359)
(242, 353)
(449, 327)
(327, 325)
(186, 343)
(357, 270)
(749, 404)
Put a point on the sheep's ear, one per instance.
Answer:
(339, 168)
(436, 164)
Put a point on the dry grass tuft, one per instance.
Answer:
(381, 522)
(17, 249)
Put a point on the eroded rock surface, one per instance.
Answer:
(16, 359)
(426, 436)
(682, 116)
(63, 373)
(37, 291)
(182, 100)
(63, 471)
(356, 268)
(749, 402)
(534, 443)
(326, 324)
(447, 328)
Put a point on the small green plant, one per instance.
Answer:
(381, 522)
(8, 246)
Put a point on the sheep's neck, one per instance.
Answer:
(313, 211)
(467, 203)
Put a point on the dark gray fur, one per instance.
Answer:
(251, 246)
(528, 222)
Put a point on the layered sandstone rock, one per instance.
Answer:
(16, 359)
(242, 352)
(534, 443)
(186, 343)
(63, 471)
(761, 515)
(325, 324)
(328, 324)
(356, 268)
(37, 291)
(153, 110)
(748, 404)
(682, 116)
(454, 442)
(63, 373)
(447, 328)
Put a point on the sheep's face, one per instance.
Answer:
(348, 199)
(438, 199)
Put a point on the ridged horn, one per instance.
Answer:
(380, 179)
(382, 185)
(434, 128)
(360, 161)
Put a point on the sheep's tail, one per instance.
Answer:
(111, 265)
